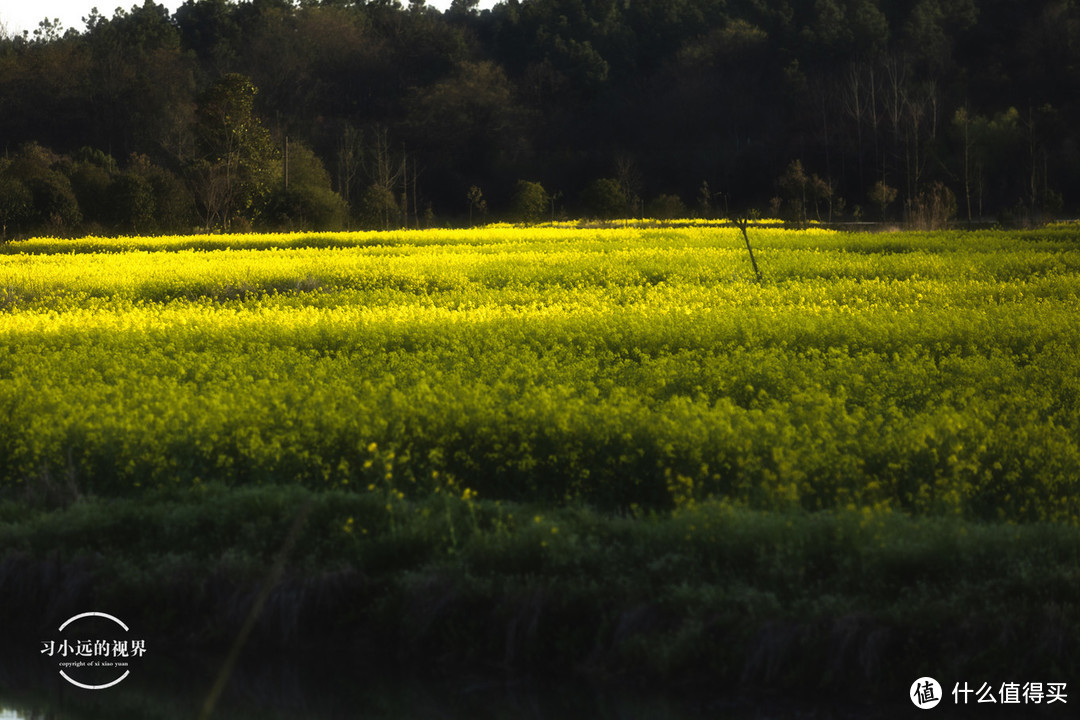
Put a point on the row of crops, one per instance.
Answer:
(623, 367)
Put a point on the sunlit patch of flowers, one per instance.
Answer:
(637, 367)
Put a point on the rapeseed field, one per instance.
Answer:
(621, 368)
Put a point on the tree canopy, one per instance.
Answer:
(180, 121)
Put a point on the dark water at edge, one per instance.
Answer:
(323, 688)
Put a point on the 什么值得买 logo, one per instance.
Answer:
(91, 649)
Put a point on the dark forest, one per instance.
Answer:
(273, 114)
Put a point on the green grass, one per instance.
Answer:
(780, 601)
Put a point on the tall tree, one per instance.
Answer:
(235, 171)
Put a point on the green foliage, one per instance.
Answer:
(238, 163)
(604, 198)
(132, 202)
(530, 202)
(308, 203)
(55, 206)
(16, 202)
(803, 194)
(88, 192)
(851, 87)
(174, 207)
(92, 182)
(882, 196)
(379, 208)
(689, 597)
(470, 120)
(667, 207)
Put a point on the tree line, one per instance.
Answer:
(277, 114)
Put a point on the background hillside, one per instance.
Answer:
(274, 114)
